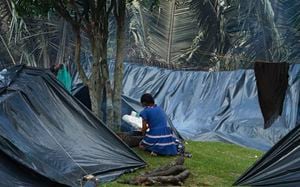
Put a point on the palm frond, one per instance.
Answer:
(252, 33)
(176, 31)
(42, 41)
(170, 29)
(288, 25)
(223, 34)
(5, 15)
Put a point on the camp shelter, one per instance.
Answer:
(46, 131)
(280, 166)
(14, 174)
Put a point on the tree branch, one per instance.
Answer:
(77, 57)
(159, 180)
(173, 173)
(6, 47)
(62, 10)
(178, 161)
(93, 10)
(112, 5)
(169, 171)
(78, 16)
(171, 179)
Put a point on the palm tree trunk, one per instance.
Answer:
(118, 71)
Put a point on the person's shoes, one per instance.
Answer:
(187, 154)
(153, 154)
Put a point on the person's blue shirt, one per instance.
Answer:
(155, 116)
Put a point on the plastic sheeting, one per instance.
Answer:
(128, 105)
(214, 106)
(47, 131)
(280, 166)
(13, 174)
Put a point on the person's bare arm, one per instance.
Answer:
(145, 127)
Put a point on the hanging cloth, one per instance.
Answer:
(272, 82)
(64, 77)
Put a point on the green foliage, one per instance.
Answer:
(150, 4)
(33, 7)
(212, 163)
(38, 7)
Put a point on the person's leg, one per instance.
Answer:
(141, 146)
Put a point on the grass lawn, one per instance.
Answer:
(212, 164)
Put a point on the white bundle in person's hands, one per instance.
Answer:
(133, 119)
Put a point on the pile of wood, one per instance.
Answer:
(172, 174)
(132, 140)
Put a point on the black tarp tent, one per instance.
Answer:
(43, 129)
(280, 166)
(14, 174)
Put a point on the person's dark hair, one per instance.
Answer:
(147, 99)
(54, 68)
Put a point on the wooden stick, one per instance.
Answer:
(174, 170)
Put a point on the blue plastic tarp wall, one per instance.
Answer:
(214, 106)
(46, 131)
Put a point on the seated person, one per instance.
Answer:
(62, 75)
(55, 68)
(159, 138)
